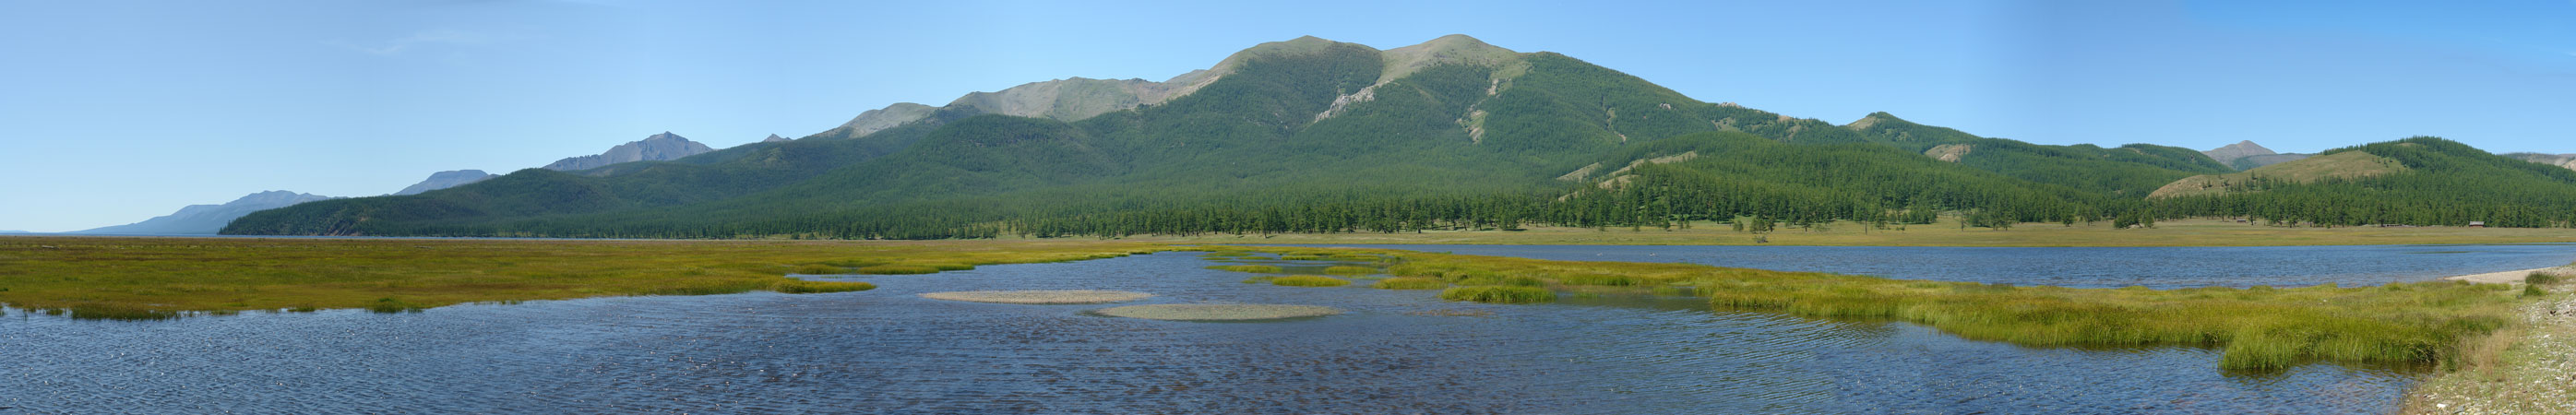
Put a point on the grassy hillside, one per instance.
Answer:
(2345, 165)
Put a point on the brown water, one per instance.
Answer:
(887, 351)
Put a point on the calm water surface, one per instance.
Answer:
(887, 351)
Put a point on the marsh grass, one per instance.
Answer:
(1350, 270)
(1301, 257)
(1499, 294)
(2536, 278)
(2257, 328)
(1410, 283)
(1257, 269)
(819, 269)
(898, 270)
(153, 278)
(1309, 281)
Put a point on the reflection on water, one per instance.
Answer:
(887, 351)
(2160, 268)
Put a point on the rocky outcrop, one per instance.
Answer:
(2560, 160)
(891, 116)
(774, 138)
(664, 146)
(207, 219)
(446, 179)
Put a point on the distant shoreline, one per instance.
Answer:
(2510, 277)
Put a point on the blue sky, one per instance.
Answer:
(114, 111)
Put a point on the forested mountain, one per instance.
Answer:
(2433, 182)
(1306, 135)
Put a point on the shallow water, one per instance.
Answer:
(888, 351)
(2160, 268)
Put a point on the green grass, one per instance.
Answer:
(1301, 257)
(1309, 281)
(1350, 270)
(153, 278)
(1410, 283)
(2540, 279)
(1258, 269)
(1499, 294)
(898, 270)
(963, 267)
(1946, 232)
(2256, 328)
(819, 269)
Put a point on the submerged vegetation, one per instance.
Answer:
(1499, 294)
(155, 278)
(1218, 312)
(1309, 281)
(1410, 283)
(1258, 269)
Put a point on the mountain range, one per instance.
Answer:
(1312, 135)
(206, 219)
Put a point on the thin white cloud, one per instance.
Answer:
(418, 39)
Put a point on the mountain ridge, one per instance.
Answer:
(658, 147)
(208, 219)
(1310, 129)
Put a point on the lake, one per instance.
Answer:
(889, 351)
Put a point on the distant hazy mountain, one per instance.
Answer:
(773, 138)
(2245, 155)
(2560, 160)
(664, 146)
(206, 219)
(10, 232)
(446, 179)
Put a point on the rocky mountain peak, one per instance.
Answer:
(773, 138)
(1451, 49)
(664, 146)
(445, 179)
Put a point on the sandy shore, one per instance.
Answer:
(2536, 375)
(2513, 277)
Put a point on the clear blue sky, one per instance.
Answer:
(114, 111)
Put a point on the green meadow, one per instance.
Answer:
(152, 278)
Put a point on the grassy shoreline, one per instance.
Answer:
(153, 278)
(2190, 232)
(2259, 328)
(2524, 369)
